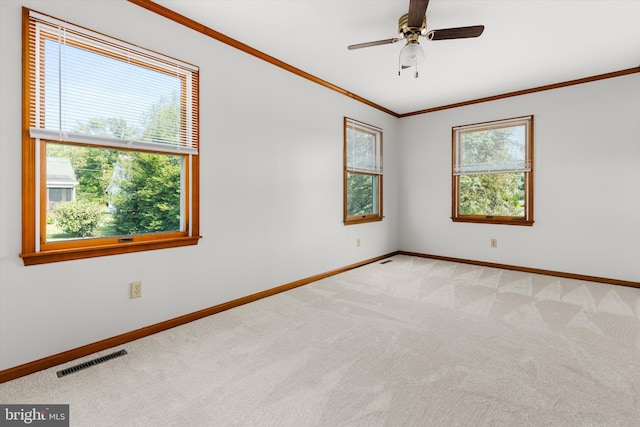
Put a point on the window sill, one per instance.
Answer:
(359, 220)
(503, 221)
(58, 255)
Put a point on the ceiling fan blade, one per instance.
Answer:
(417, 12)
(375, 43)
(455, 33)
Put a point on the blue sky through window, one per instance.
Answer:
(98, 86)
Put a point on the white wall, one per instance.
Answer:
(271, 200)
(586, 182)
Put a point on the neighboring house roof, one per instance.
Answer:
(60, 173)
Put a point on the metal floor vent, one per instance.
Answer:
(90, 363)
(386, 261)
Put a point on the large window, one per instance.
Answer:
(110, 146)
(362, 172)
(493, 172)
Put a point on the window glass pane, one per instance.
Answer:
(492, 194)
(362, 194)
(91, 93)
(500, 149)
(111, 192)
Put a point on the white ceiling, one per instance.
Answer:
(526, 43)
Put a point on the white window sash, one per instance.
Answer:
(58, 136)
(482, 169)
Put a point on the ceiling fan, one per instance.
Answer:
(412, 26)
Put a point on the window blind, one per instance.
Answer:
(487, 150)
(95, 89)
(364, 152)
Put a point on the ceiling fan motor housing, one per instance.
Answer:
(411, 33)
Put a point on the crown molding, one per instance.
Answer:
(203, 29)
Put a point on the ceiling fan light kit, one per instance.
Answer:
(413, 25)
(410, 56)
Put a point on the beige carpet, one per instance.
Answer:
(412, 342)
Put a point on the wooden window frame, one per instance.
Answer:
(527, 218)
(35, 248)
(377, 216)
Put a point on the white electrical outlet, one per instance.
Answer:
(136, 289)
(358, 243)
(494, 243)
